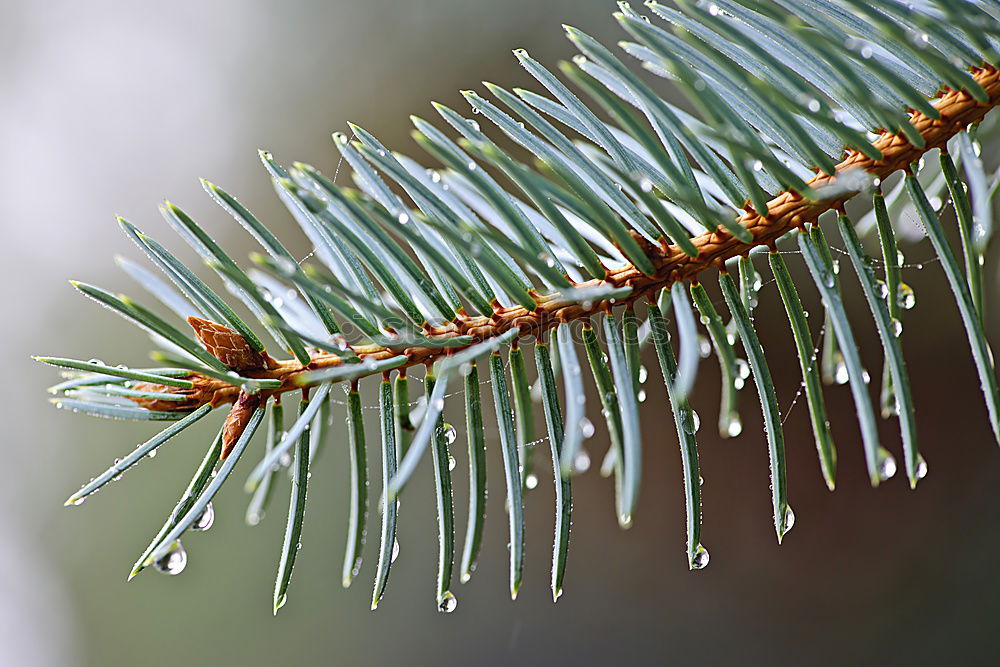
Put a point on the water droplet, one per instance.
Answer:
(700, 558)
(921, 471)
(865, 376)
(758, 165)
(883, 289)
(395, 551)
(641, 396)
(743, 368)
(704, 347)
(814, 105)
(471, 165)
(403, 218)
(447, 603)
(906, 298)
(79, 501)
(886, 465)
(449, 434)
(531, 481)
(152, 454)
(692, 422)
(174, 561)
(897, 327)
(840, 375)
(452, 463)
(587, 427)
(735, 426)
(582, 461)
(285, 460)
(788, 520)
(738, 383)
(253, 518)
(205, 519)
(643, 374)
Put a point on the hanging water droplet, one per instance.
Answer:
(840, 375)
(531, 481)
(449, 434)
(738, 383)
(788, 520)
(174, 561)
(643, 374)
(906, 298)
(253, 518)
(582, 461)
(78, 501)
(395, 551)
(883, 289)
(152, 454)
(403, 218)
(701, 481)
(814, 105)
(447, 603)
(692, 422)
(704, 347)
(700, 558)
(886, 465)
(641, 396)
(452, 462)
(743, 368)
(587, 428)
(205, 519)
(921, 471)
(735, 425)
(865, 376)
(285, 460)
(897, 327)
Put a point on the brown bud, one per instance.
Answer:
(237, 420)
(227, 346)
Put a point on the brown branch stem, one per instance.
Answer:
(786, 212)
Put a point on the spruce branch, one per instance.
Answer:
(797, 114)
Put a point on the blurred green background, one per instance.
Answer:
(107, 108)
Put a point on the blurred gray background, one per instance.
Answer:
(107, 108)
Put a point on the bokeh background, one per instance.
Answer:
(106, 108)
